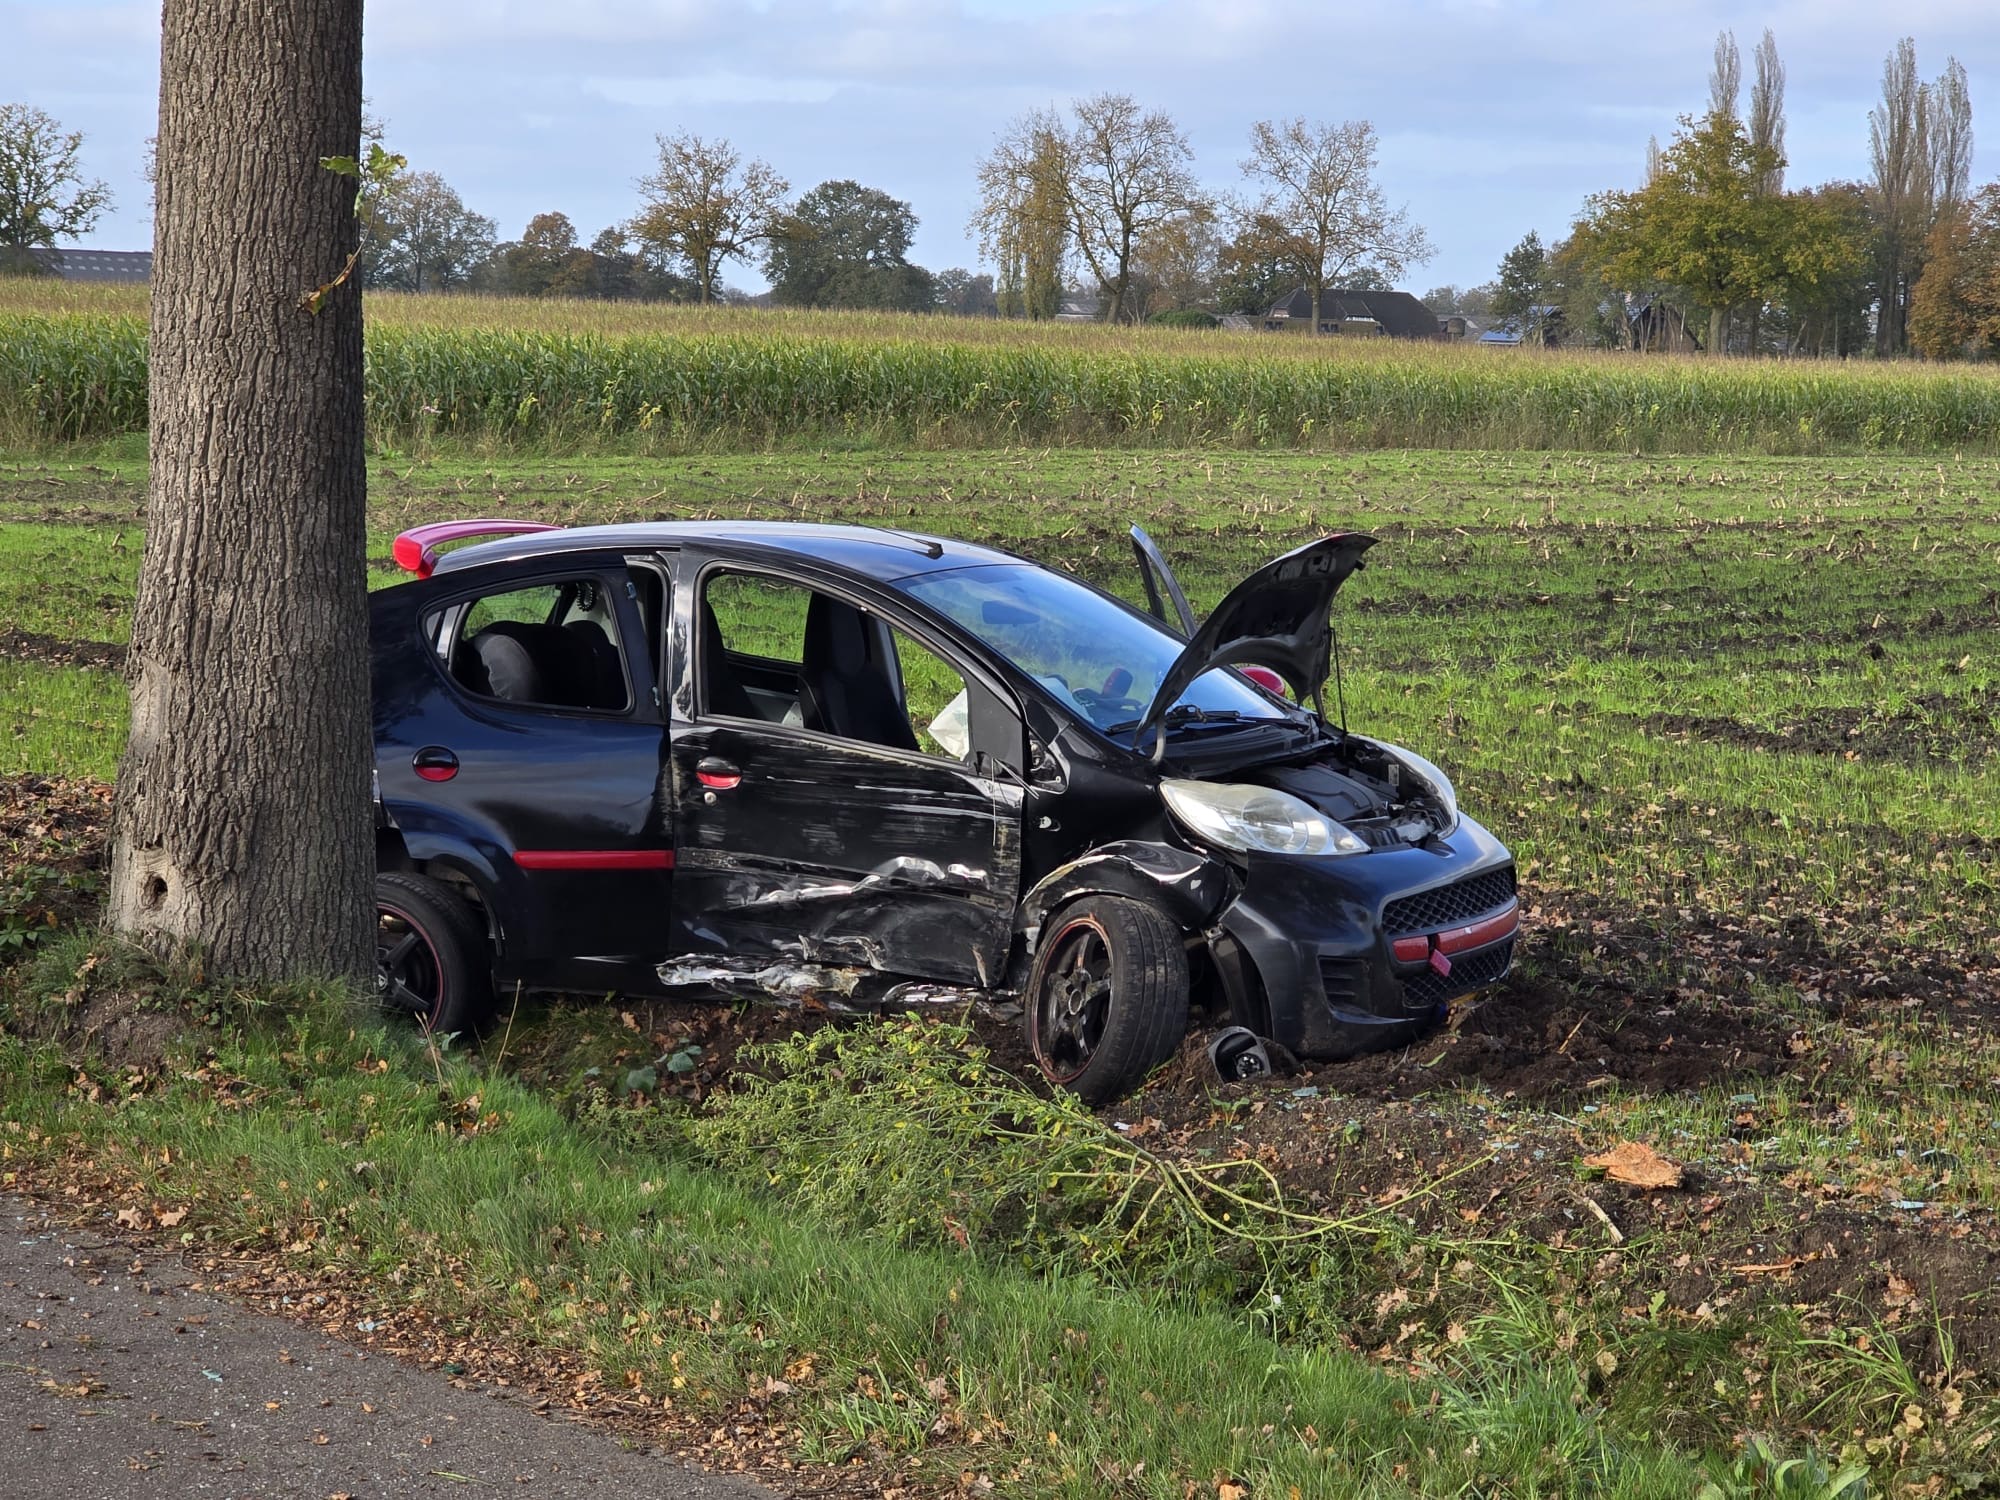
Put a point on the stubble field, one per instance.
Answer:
(1737, 717)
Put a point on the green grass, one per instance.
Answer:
(462, 1193)
(66, 721)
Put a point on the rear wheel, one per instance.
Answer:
(1107, 998)
(430, 955)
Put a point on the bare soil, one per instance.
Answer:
(28, 645)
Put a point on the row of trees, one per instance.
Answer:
(839, 245)
(1102, 194)
(1106, 190)
(1714, 236)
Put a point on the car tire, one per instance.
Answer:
(430, 955)
(1107, 996)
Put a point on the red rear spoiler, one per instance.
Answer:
(417, 549)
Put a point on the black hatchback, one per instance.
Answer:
(860, 768)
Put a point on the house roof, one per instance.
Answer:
(97, 265)
(1398, 313)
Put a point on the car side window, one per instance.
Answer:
(750, 645)
(550, 645)
(784, 653)
(934, 696)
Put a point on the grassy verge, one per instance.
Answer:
(289, 1127)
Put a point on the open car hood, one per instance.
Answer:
(1277, 618)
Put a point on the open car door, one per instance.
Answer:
(1162, 588)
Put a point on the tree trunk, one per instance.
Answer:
(1718, 321)
(1316, 293)
(1885, 317)
(242, 825)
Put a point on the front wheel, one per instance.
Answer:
(430, 955)
(1107, 998)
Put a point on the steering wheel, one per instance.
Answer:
(1112, 698)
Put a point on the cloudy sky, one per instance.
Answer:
(1496, 116)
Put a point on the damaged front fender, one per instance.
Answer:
(1190, 888)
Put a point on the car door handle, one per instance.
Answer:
(717, 774)
(435, 763)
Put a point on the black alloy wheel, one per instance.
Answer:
(430, 955)
(1107, 997)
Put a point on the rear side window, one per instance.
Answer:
(550, 645)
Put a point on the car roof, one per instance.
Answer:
(873, 552)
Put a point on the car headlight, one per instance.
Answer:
(1435, 781)
(1256, 818)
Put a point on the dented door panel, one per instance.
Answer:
(839, 853)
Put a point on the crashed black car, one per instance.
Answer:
(856, 768)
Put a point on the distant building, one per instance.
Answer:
(1369, 314)
(1543, 328)
(1656, 327)
(1079, 307)
(96, 265)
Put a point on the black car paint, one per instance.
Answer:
(527, 778)
(833, 854)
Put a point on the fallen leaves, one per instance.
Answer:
(1637, 1165)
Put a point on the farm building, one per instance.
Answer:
(96, 265)
(1541, 326)
(1657, 327)
(1374, 314)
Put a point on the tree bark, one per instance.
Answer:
(1718, 331)
(242, 826)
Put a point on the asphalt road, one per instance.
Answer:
(124, 1385)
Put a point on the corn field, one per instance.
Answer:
(513, 372)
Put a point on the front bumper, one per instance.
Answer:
(1341, 956)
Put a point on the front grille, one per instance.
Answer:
(1345, 981)
(1448, 905)
(1428, 987)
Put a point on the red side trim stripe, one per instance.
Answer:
(594, 859)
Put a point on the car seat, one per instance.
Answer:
(850, 683)
(722, 691)
(551, 664)
(603, 681)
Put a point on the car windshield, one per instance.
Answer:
(1104, 660)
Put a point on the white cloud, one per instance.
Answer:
(712, 89)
